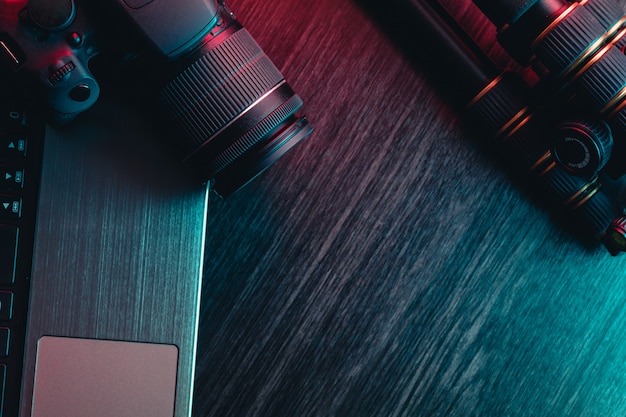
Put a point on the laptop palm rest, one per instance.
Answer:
(115, 288)
(103, 378)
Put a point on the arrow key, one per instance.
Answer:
(10, 208)
(12, 146)
(11, 178)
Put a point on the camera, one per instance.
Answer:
(234, 110)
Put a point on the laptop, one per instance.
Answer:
(115, 232)
(101, 232)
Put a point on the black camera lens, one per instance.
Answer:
(236, 110)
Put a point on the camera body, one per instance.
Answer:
(234, 110)
(51, 43)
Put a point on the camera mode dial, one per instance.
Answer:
(51, 15)
(583, 148)
(52, 43)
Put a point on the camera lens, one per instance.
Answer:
(237, 112)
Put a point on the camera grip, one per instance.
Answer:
(72, 89)
(52, 42)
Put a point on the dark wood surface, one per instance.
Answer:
(389, 266)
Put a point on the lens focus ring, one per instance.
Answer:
(604, 82)
(237, 113)
(571, 43)
(219, 86)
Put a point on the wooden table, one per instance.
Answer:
(389, 266)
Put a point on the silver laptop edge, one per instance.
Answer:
(118, 256)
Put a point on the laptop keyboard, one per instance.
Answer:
(21, 145)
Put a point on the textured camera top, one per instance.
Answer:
(52, 41)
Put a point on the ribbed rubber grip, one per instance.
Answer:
(499, 102)
(619, 120)
(563, 184)
(591, 206)
(219, 86)
(603, 82)
(256, 133)
(608, 12)
(530, 145)
(597, 213)
(566, 46)
(502, 111)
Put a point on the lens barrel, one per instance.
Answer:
(237, 113)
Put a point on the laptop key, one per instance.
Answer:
(3, 387)
(12, 146)
(12, 117)
(10, 208)
(8, 243)
(5, 336)
(6, 305)
(11, 178)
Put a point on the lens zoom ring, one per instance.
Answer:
(619, 121)
(590, 204)
(527, 145)
(569, 40)
(604, 80)
(220, 85)
(254, 135)
(500, 104)
(598, 212)
(563, 185)
(606, 11)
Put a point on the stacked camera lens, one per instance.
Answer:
(237, 112)
(576, 49)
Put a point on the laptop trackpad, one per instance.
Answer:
(97, 378)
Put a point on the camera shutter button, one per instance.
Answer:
(52, 15)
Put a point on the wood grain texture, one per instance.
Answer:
(388, 266)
